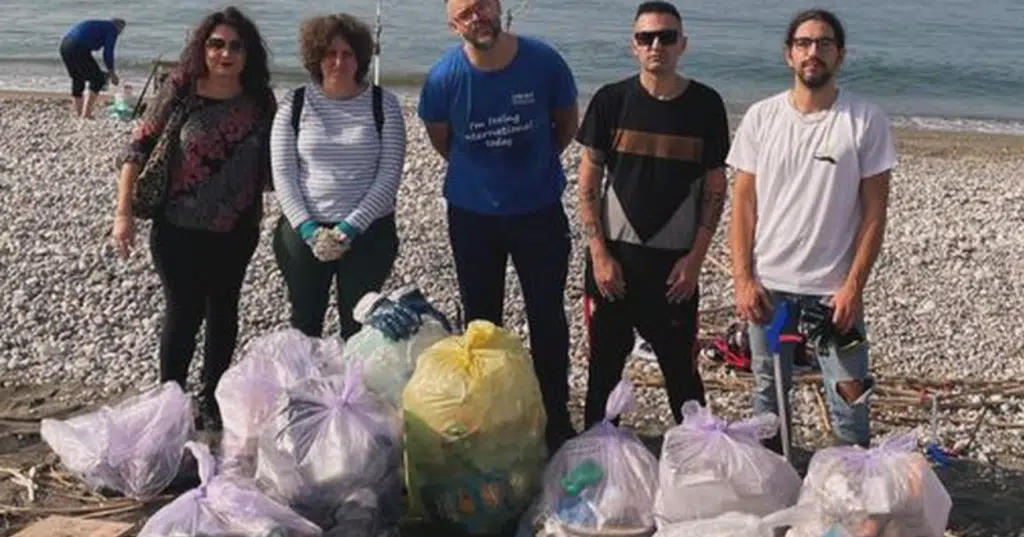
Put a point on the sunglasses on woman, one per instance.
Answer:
(219, 43)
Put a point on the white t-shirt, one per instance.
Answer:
(808, 169)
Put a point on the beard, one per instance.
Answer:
(494, 28)
(816, 80)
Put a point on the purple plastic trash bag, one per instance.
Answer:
(600, 482)
(134, 447)
(332, 452)
(709, 467)
(248, 392)
(886, 491)
(223, 506)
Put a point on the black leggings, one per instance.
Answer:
(201, 273)
(82, 68)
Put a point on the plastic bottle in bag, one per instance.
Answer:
(602, 482)
(474, 424)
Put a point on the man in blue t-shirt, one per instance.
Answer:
(76, 52)
(501, 108)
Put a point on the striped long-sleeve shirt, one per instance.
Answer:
(337, 169)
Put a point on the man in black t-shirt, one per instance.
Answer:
(663, 139)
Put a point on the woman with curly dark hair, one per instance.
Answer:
(212, 121)
(337, 150)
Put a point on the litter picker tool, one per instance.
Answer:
(782, 337)
(515, 12)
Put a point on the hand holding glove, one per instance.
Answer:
(327, 244)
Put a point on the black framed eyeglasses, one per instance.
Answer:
(806, 42)
(665, 37)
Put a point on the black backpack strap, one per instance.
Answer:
(298, 99)
(378, 108)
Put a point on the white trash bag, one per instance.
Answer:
(248, 392)
(223, 506)
(601, 482)
(332, 453)
(886, 491)
(709, 467)
(134, 447)
(733, 524)
(387, 364)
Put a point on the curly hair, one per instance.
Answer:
(316, 34)
(256, 73)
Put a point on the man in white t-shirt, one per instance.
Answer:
(808, 216)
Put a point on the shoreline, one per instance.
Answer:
(915, 140)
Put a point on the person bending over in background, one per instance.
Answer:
(808, 217)
(663, 138)
(336, 175)
(76, 52)
(501, 108)
(219, 164)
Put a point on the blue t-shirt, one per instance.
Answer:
(503, 154)
(93, 34)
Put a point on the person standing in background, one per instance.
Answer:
(76, 52)
(809, 210)
(501, 108)
(337, 152)
(663, 138)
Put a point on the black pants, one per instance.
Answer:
(202, 274)
(670, 329)
(364, 268)
(539, 246)
(82, 68)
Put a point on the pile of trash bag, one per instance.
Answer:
(225, 505)
(387, 351)
(332, 453)
(135, 447)
(709, 466)
(886, 491)
(248, 392)
(601, 482)
(474, 431)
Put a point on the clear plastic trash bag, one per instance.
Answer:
(733, 524)
(134, 447)
(247, 394)
(603, 482)
(225, 506)
(886, 491)
(474, 431)
(332, 453)
(709, 467)
(388, 365)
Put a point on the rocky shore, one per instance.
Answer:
(944, 302)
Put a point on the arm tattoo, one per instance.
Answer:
(712, 204)
(590, 207)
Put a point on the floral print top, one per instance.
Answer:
(222, 160)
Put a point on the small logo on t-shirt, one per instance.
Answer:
(522, 99)
(824, 153)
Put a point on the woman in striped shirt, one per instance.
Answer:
(337, 152)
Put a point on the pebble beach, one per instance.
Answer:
(944, 300)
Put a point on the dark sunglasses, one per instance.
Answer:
(665, 37)
(217, 43)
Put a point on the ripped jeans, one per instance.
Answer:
(850, 418)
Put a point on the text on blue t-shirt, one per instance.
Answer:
(503, 153)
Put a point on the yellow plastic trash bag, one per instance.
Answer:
(474, 431)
